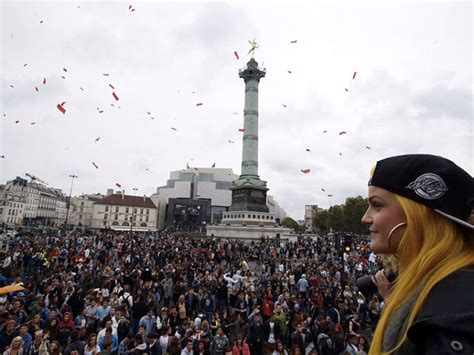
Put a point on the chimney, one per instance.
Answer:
(144, 198)
(123, 194)
(110, 192)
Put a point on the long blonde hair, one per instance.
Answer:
(432, 248)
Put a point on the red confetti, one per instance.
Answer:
(63, 103)
(115, 96)
(65, 70)
(118, 185)
(323, 190)
(36, 88)
(199, 104)
(342, 132)
(236, 55)
(61, 108)
(305, 171)
(241, 129)
(44, 81)
(111, 86)
(346, 89)
(295, 41)
(354, 76)
(95, 165)
(174, 129)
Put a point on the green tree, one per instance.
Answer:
(336, 214)
(354, 209)
(290, 223)
(321, 221)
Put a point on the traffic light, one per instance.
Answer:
(347, 243)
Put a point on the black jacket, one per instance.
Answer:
(445, 323)
(276, 331)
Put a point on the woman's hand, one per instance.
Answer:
(382, 283)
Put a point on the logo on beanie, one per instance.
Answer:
(429, 186)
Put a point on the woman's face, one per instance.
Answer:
(17, 344)
(384, 213)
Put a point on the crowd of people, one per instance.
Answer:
(169, 293)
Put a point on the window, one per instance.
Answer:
(105, 215)
(105, 223)
(80, 216)
(141, 210)
(143, 225)
(126, 210)
(82, 203)
(146, 219)
(106, 208)
(135, 210)
(116, 209)
(147, 211)
(116, 216)
(125, 224)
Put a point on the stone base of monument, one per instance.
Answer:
(249, 232)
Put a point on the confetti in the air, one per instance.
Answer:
(32, 123)
(235, 113)
(62, 76)
(17, 121)
(284, 105)
(105, 74)
(11, 86)
(112, 86)
(95, 165)
(41, 21)
(323, 190)
(81, 88)
(241, 129)
(346, 89)
(61, 108)
(115, 96)
(325, 131)
(97, 139)
(174, 129)
(367, 147)
(236, 55)
(101, 111)
(44, 81)
(289, 71)
(308, 150)
(340, 154)
(65, 70)
(2, 156)
(342, 132)
(118, 185)
(36, 88)
(305, 171)
(231, 141)
(147, 169)
(199, 104)
(295, 41)
(354, 76)
(24, 65)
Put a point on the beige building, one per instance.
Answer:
(124, 212)
(82, 210)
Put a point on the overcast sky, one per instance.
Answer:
(412, 92)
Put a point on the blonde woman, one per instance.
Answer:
(418, 210)
(16, 347)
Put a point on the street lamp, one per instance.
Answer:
(329, 213)
(133, 206)
(72, 176)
